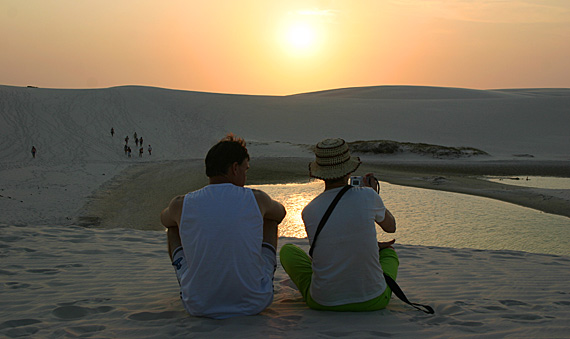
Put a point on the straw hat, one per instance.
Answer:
(333, 160)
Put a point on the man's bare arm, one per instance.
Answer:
(170, 216)
(389, 222)
(270, 209)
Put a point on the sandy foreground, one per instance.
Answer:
(73, 281)
(76, 282)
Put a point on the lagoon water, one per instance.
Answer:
(437, 218)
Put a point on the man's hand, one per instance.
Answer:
(371, 181)
(368, 179)
(386, 244)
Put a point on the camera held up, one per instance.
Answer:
(370, 181)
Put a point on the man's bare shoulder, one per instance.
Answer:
(178, 198)
(259, 193)
(170, 216)
(262, 197)
(176, 201)
(176, 204)
(270, 208)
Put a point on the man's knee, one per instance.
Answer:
(173, 239)
(286, 249)
(293, 255)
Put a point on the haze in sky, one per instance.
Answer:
(285, 47)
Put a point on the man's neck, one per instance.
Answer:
(330, 186)
(219, 180)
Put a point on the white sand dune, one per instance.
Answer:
(71, 282)
(75, 124)
(60, 280)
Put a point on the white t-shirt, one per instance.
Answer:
(346, 266)
(221, 228)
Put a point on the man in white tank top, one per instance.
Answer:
(222, 238)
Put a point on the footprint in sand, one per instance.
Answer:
(71, 312)
(47, 271)
(146, 316)
(18, 323)
(19, 327)
(11, 238)
(5, 272)
(131, 239)
(69, 265)
(495, 308)
(524, 317)
(79, 331)
(356, 334)
(14, 285)
(513, 303)
(466, 323)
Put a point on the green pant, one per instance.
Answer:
(298, 266)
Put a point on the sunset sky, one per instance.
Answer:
(284, 47)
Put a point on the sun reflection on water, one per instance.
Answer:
(294, 197)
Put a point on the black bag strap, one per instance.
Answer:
(327, 215)
(400, 294)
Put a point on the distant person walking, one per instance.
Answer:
(141, 151)
(34, 152)
(149, 150)
(129, 151)
(137, 141)
(141, 141)
(126, 149)
(112, 131)
(127, 140)
(135, 135)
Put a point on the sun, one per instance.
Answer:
(301, 36)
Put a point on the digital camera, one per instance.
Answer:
(357, 181)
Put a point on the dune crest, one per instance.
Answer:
(74, 125)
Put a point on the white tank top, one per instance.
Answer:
(221, 228)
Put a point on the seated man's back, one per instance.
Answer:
(222, 238)
(221, 230)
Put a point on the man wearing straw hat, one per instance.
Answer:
(222, 238)
(347, 265)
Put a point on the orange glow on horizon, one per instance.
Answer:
(277, 48)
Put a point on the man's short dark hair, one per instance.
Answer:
(223, 154)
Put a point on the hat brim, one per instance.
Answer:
(335, 171)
